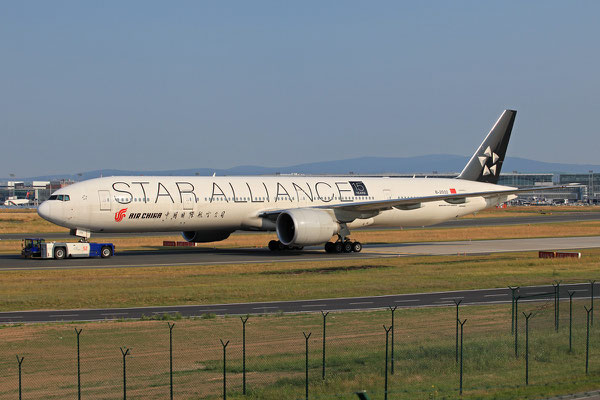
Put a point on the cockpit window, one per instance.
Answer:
(60, 197)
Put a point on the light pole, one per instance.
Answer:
(591, 186)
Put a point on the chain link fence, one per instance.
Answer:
(280, 356)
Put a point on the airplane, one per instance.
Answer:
(302, 210)
(14, 201)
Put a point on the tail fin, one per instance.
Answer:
(486, 163)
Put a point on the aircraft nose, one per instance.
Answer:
(44, 210)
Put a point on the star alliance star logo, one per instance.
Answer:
(488, 153)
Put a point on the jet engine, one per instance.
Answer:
(302, 226)
(205, 236)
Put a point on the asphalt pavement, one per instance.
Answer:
(199, 256)
(412, 300)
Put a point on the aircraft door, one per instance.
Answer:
(188, 201)
(104, 196)
(387, 194)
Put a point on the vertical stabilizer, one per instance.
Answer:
(486, 163)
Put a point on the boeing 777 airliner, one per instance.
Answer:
(303, 210)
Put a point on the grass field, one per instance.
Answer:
(124, 287)
(25, 221)
(424, 356)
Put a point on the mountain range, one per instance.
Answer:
(427, 164)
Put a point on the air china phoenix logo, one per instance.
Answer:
(119, 215)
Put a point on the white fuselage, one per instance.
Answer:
(145, 204)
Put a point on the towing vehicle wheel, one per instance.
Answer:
(273, 246)
(105, 252)
(356, 247)
(347, 247)
(59, 253)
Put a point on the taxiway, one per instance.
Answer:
(413, 300)
(199, 256)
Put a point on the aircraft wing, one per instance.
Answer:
(409, 203)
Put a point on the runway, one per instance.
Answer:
(207, 256)
(415, 300)
(458, 223)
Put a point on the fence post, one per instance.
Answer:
(556, 286)
(78, 332)
(587, 339)
(462, 324)
(171, 326)
(244, 320)
(592, 300)
(512, 313)
(457, 323)
(125, 353)
(517, 326)
(527, 316)
(387, 335)
(20, 361)
(306, 337)
(224, 344)
(571, 293)
(393, 310)
(325, 314)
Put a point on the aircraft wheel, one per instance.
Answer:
(281, 246)
(338, 247)
(59, 253)
(347, 247)
(356, 247)
(105, 252)
(273, 246)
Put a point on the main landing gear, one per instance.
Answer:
(346, 246)
(276, 245)
(341, 246)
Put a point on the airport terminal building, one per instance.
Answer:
(588, 190)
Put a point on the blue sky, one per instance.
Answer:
(164, 85)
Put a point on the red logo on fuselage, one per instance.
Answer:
(453, 191)
(120, 215)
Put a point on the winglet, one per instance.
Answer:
(486, 163)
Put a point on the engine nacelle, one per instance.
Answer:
(205, 236)
(303, 226)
